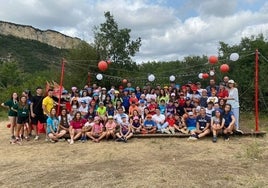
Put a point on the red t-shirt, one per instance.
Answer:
(222, 94)
(171, 122)
(78, 124)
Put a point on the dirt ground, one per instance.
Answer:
(154, 162)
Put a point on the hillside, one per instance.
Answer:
(50, 37)
(32, 55)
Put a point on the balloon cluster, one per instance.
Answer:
(224, 68)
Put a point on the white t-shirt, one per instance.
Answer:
(159, 118)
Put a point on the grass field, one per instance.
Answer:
(155, 162)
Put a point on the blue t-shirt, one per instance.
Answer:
(52, 123)
(191, 123)
(228, 118)
(149, 123)
(202, 121)
(162, 109)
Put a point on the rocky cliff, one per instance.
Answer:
(49, 37)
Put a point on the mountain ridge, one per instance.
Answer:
(50, 37)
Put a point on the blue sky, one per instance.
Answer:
(169, 30)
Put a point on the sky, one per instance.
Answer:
(169, 29)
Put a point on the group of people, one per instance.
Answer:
(98, 113)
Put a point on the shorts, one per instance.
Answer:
(41, 118)
(191, 128)
(22, 120)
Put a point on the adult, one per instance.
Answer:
(160, 120)
(233, 100)
(212, 87)
(229, 121)
(37, 113)
(12, 115)
(119, 115)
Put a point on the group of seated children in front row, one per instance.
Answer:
(121, 127)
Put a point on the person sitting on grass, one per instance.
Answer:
(110, 127)
(202, 125)
(171, 124)
(53, 126)
(179, 126)
(160, 121)
(190, 122)
(64, 122)
(76, 126)
(86, 128)
(217, 123)
(97, 132)
(229, 122)
(101, 112)
(136, 125)
(125, 131)
(149, 125)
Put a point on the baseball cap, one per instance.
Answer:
(83, 102)
(110, 117)
(190, 113)
(188, 98)
(142, 101)
(96, 118)
(231, 81)
(173, 94)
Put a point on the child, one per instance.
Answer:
(171, 124)
(97, 132)
(136, 125)
(217, 123)
(101, 112)
(149, 125)
(124, 131)
(86, 128)
(162, 106)
(110, 127)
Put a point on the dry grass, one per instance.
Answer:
(157, 162)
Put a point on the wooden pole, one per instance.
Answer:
(257, 90)
(61, 82)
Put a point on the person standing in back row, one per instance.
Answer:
(233, 100)
(37, 113)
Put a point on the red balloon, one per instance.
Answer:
(205, 75)
(102, 65)
(124, 81)
(213, 59)
(224, 68)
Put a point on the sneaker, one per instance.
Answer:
(192, 138)
(52, 141)
(72, 142)
(118, 140)
(238, 132)
(214, 139)
(36, 137)
(47, 140)
(61, 140)
(166, 131)
(68, 140)
(226, 139)
(13, 137)
(184, 131)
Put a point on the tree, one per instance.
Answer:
(114, 43)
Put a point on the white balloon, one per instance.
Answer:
(172, 78)
(234, 56)
(211, 73)
(200, 75)
(151, 77)
(99, 76)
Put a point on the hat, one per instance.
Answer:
(116, 92)
(90, 117)
(231, 82)
(74, 88)
(173, 94)
(110, 117)
(136, 118)
(100, 103)
(123, 116)
(84, 102)
(95, 94)
(188, 98)
(197, 83)
(165, 87)
(103, 88)
(149, 116)
(194, 89)
(190, 113)
(121, 87)
(142, 101)
(96, 118)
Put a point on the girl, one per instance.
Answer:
(22, 109)
(76, 126)
(229, 121)
(87, 128)
(12, 115)
(171, 124)
(124, 131)
(74, 106)
(217, 123)
(110, 127)
(53, 126)
(136, 124)
(64, 122)
(97, 132)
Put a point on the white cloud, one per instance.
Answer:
(165, 34)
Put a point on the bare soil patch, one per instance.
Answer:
(155, 162)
